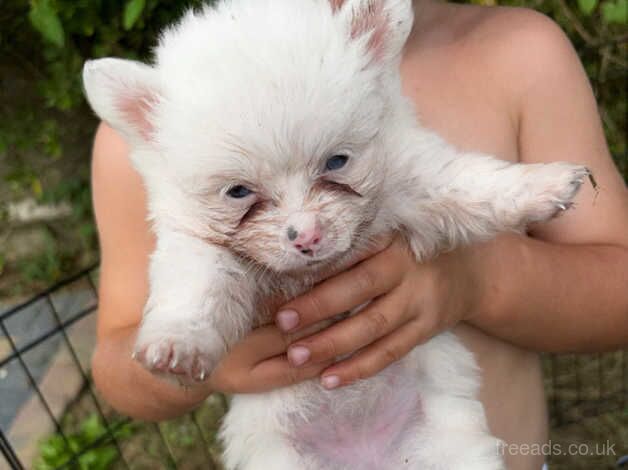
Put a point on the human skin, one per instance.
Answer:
(499, 81)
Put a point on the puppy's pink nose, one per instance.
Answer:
(307, 239)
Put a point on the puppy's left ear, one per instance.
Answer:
(382, 25)
(123, 93)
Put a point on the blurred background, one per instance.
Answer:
(47, 232)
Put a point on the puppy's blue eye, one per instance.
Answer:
(239, 191)
(336, 162)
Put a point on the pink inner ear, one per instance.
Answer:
(136, 111)
(371, 18)
(336, 5)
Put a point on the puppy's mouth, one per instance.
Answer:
(332, 260)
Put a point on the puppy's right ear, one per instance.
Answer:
(123, 93)
(384, 24)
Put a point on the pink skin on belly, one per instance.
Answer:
(369, 440)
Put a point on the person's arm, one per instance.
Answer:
(562, 290)
(565, 288)
(126, 243)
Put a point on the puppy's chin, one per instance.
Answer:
(296, 264)
(324, 266)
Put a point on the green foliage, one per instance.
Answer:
(612, 11)
(615, 12)
(55, 451)
(587, 6)
(44, 19)
(132, 11)
(45, 43)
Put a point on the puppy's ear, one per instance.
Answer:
(124, 94)
(383, 25)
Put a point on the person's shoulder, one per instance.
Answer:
(518, 45)
(500, 53)
(482, 22)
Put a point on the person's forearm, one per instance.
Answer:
(132, 390)
(552, 297)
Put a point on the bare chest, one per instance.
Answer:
(460, 103)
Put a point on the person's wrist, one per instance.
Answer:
(478, 283)
(490, 268)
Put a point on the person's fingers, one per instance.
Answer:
(378, 319)
(258, 363)
(266, 375)
(365, 281)
(278, 372)
(261, 343)
(379, 355)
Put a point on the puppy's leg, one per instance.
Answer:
(446, 198)
(200, 302)
(453, 431)
(450, 449)
(255, 436)
(270, 452)
(453, 435)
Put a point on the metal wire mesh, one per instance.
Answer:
(577, 386)
(40, 322)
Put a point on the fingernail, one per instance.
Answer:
(287, 319)
(298, 355)
(330, 381)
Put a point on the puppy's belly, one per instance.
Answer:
(367, 434)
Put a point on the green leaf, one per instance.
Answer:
(91, 428)
(44, 19)
(587, 6)
(615, 12)
(132, 11)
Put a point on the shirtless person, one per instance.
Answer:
(500, 81)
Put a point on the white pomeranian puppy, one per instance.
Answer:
(275, 144)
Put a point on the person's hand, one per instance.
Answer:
(411, 302)
(259, 363)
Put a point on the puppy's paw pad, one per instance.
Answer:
(182, 358)
(555, 186)
(572, 180)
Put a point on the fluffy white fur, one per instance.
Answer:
(260, 93)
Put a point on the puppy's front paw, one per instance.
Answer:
(553, 187)
(181, 352)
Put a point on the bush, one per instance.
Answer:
(56, 450)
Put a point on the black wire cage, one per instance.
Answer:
(51, 416)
